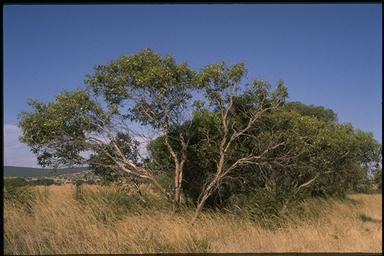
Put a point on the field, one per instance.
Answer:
(63, 219)
(16, 171)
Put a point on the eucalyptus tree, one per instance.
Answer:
(74, 129)
(94, 126)
(221, 85)
(154, 91)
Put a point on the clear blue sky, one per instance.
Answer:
(328, 55)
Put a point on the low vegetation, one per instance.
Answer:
(112, 219)
(13, 171)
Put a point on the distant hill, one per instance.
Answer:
(14, 171)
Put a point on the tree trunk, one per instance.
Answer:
(200, 207)
(179, 167)
(207, 192)
(179, 164)
(176, 200)
(205, 195)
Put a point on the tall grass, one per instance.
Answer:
(115, 220)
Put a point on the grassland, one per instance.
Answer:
(63, 219)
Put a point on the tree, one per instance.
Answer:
(319, 158)
(285, 172)
(102, 164)
(67, 131)
(246, 139)
(199, 164)
(348, 156)
(282, 176)
(153, 90)
(144, 88)
(319, 112)
(221, 84)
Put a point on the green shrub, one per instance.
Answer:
(260, 206)
(112, 202)
(42, 182)
(10, 184)
(19, 194)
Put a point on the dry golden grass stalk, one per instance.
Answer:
(101, 223)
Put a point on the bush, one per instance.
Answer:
(19, 194)
(337, 156)
(42, 182)
(110, 203)
(11, 184)
(260, 206)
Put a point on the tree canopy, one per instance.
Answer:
(243, 139)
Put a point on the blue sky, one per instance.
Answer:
(327, 54)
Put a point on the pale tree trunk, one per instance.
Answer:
(203, 198)
(231, 133)
(178, 174)
(179, 159)
(207, 192)
(200, 207)
(125, 165)
(179, 167)
(222, 171)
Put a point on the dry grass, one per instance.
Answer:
(61, 224)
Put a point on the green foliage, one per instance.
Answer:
(261, 203)
(113, 202)
(347, 155)
(12, 183)
(218, 79)
(18, 193)
(146, 88)
(104, 166)
(13, 171)
(334, 156)
(42, 182)
(319, 112)
(200, 154)
(56, 131)
(320, 157)
(156, 86)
